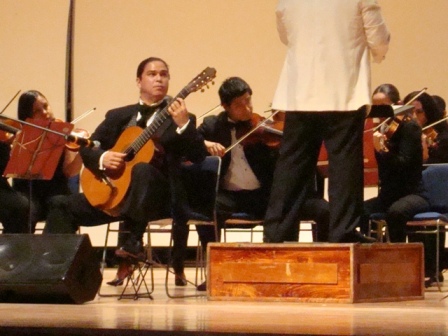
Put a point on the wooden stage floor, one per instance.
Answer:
(194, 316)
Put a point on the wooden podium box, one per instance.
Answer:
(315, 272)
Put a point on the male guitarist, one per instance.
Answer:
(153, 185)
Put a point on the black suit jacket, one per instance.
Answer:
(188, 145)
(400, 169)
(260, 157)
(176, 148)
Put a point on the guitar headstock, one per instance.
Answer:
(201, 80)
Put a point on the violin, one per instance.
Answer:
(268, 134)
(389, 130)
(8, 130)
(430, 132)
(77, 138)
(74, 140)
(258, 130)
(391, 125)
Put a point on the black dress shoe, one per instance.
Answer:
(180, 279)
(357, 237)
(124, 270)
(202, 287)
(431, 280)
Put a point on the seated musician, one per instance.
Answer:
(33, 105)
(435, 151)
(399, 158)
(246, 171)
(152, 181)
(435, 137)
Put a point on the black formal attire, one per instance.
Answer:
(153, 185)
(400, 193)
(40, 192)
(14, 207)
(260, 158)
(438, 153)
(303, 135)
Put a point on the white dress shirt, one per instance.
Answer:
(239, 175)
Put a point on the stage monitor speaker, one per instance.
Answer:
(53, 268)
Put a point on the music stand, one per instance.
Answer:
(378, 111)
(385, 111)
(36, 151)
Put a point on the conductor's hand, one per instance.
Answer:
(178, 111)
(214, 148)
(113, 160)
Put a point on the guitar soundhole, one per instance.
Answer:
(130, 156)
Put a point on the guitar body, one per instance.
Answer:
(108, 196)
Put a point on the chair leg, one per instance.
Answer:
(438, 256)
(103, 262)
(136, 280)
(200, 273)
(382, 231)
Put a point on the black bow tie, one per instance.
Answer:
(146, 112)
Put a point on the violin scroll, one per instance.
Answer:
(8, 130)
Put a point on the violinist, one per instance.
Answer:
(34, 105)
(399, 161)
(435, 141)
(435, 138)
(247, 169)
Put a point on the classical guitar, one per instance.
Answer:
(106, 191)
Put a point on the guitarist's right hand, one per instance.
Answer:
(113, 160)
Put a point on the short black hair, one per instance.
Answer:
(231, 88)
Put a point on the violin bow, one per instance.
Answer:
(203, 115)
(82, 116)
(434, 123)
(9, 103)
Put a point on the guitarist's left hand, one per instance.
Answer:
(179, 113)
